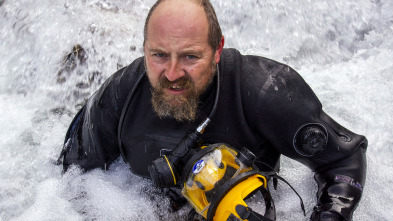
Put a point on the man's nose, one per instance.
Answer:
(174, 70)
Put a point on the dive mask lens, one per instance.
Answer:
(208, 174)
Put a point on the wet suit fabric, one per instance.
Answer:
(263, 105)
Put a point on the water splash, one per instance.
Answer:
(343, 49)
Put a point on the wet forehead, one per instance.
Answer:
(178, 18)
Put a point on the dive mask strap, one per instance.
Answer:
(249, 214)
(301, 200)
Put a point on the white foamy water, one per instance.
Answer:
(342, 48)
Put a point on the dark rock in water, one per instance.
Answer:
(76, 71)
(75, 63)
(70, 62)
(1, 2)
(77, 54)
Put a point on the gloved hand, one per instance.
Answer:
(319, 215)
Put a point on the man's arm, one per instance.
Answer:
(91, 140)
(290, 116)
(341, 181)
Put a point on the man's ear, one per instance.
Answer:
(219, 50)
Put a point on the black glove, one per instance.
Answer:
(319, 215)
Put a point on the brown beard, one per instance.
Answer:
(181, 107)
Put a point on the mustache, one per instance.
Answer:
(183, 82)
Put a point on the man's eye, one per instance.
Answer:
(191, 57)
(160, 55)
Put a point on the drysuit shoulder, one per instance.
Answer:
(290, 116)
(91, 140)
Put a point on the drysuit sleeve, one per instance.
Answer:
(91, 140)
(290, 116)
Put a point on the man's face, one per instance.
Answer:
(179, 61)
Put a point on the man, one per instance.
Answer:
(262, 105)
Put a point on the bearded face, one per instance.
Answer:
(182, 106)
(180, 63)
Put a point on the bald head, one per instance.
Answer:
(181, 8)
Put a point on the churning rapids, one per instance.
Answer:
(343, 49)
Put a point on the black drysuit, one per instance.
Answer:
(263, 105)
